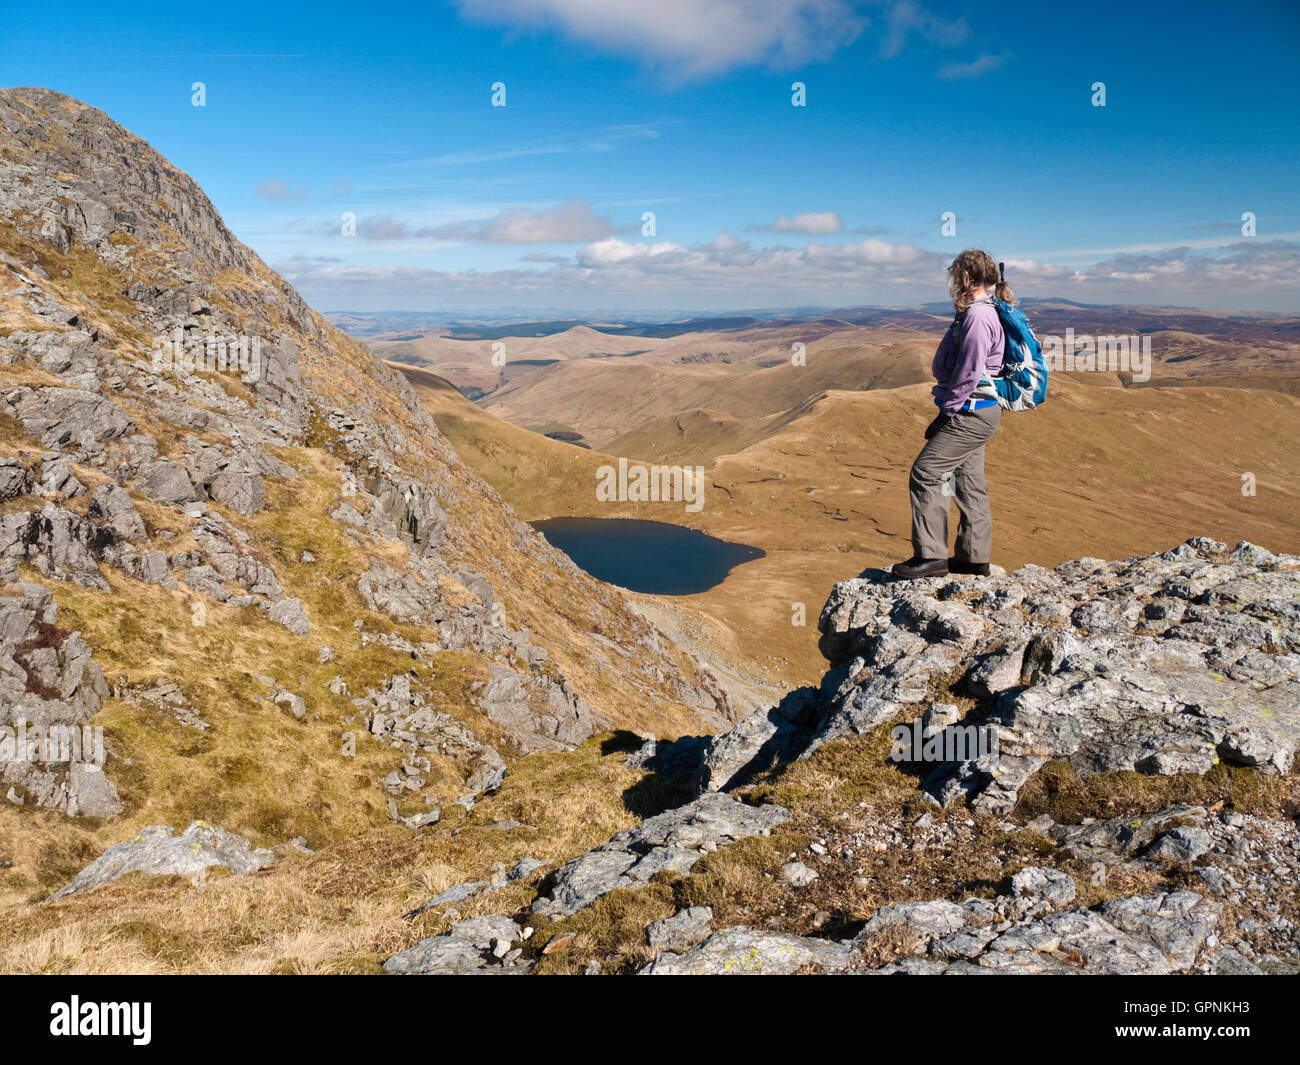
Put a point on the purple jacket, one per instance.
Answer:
(958, 364)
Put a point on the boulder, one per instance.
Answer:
(158, 851)
(240, 490)
(681, 931)
(167, 482)
(742, 951)
(471, 947)
(289, 613)
(674, 840)
(110, 504)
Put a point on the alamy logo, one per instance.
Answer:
(209, 353)
(955, 743)
(1103, 354)
(52, 743)
(75, 1017)
(651, 484)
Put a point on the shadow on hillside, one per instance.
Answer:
(672, 765)
(621, 741)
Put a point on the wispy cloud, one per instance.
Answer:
(566, 223)
(380, 227)
(277, 191)
(974, 69)
(903, 18)
(606, 140)
(810, 224)
(1084, 254)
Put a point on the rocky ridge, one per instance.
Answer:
(1164, 664)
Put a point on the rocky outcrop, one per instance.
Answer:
(50, 687)
(158, 851)
(674, 840)
(111, 505)
(741, 951)
(1030, 932)
(1137, 935)
(477, 946)
(401, 716)
(240, 490)
(540, 713)
(407, 505)
(1164, 664)
(15, 479)
(67, 417)
(1235, 923)
(60, 543)
(167, 482)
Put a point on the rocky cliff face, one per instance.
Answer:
(173, 417)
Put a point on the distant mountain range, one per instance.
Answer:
(1047, 314)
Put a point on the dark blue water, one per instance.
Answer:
(646, 556)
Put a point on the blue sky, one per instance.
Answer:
(683, 108)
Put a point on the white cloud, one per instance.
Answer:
(810, 224)
(727, 260)
(615, 252)
(690, 39)
(729, 272)
(567, 223)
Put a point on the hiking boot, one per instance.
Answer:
(915, 567)
(961, 565)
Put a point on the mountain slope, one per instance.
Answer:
(290, 605)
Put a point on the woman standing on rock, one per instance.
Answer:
(954, 442)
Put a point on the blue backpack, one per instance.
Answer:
(1022, 384)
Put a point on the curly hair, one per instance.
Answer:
(972, 269)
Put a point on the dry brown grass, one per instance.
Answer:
(341, 909)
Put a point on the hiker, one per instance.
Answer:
(952, 461)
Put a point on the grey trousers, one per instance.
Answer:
(956, 451)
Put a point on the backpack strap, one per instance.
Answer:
(960, 317)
